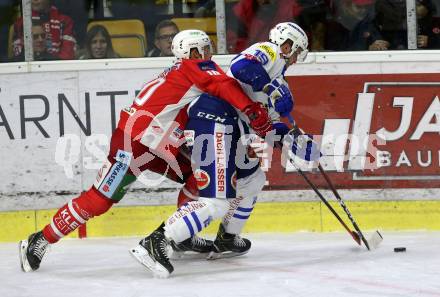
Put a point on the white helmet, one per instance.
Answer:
(185, 40)
(285, 31)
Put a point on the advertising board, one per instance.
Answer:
(378, 131)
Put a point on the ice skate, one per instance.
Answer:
(192, 248)
(228, 245)
(152, 253)
(32, 251)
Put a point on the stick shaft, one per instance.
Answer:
(315, 189)
(343, 205)
(357, 237)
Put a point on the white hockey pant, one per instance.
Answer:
(240, 208)
(194, 216)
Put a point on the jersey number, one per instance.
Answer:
(262, 57)
(148, 90)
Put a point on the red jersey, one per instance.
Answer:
(60, 42)
(158, 115)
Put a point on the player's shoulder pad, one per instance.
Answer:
(269, 49)
(207, 65)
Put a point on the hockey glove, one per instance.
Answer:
(303, 145)
(280, 97)
(280, 128)
(259, 119)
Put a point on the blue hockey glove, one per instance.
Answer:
(280, 97)
(280, 128)
(303, 145)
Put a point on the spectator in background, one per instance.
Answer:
(8, 14)
(251, 21)
(313, 19)
(391, 22)
(353, 28)
(38, 43)
(436, 28)
(428, 28)
(60, 42)
(436, 24)
(98, 44)
(163, 37)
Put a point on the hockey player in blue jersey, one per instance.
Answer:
(260, 71)
(227, 180)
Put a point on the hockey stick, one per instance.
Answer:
(376, 238)
(344, 207)
(352, 233)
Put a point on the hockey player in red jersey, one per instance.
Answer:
(148, 137)
(227, 187)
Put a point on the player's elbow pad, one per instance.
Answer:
(250, 72)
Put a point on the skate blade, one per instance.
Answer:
(143, 257)
(216, 256)
(187, 255)
(22, 248)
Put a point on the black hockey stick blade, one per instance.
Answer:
(356, 237)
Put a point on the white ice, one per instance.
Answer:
(299, 264)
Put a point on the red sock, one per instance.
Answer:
(189, 192)
(75, 213)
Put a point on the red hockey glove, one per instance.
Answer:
(258, 118)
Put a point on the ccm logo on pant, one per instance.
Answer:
(211, 117)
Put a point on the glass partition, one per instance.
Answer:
(95, 29)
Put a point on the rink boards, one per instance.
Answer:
(266, 217)
(56, 119)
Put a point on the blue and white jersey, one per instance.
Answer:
(255, 67)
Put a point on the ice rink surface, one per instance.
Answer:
(278, 265)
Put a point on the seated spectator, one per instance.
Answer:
(251, 21)
(38, 43)
(391, 21)
(428, 28)
(60, 42)
(435, 44)
(8, 14)
(353, 27)
(313, 19)
(98, 44)
(163, 37)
